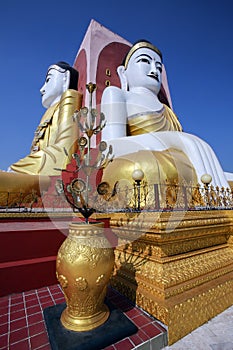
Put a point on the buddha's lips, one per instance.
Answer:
(153, 76)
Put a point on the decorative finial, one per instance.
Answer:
(79, 190)
(91, 87)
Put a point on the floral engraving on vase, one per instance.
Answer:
(86, 307)
(100, 280)
(70, 250)
(58, 262)
(62, 280)
(81, 283)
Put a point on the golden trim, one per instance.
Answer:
(36, 215)
(140, 45)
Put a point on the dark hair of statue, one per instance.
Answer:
(73, 74)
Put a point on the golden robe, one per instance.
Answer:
(159, 167)
(56, 131)
(163, 120)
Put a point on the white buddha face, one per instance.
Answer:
(56, 82)
(144, 70)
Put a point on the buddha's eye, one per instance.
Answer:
(159, 69)
(47, 80)
(144, 60)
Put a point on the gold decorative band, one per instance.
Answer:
(140, 45)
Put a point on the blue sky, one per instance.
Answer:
(195, 36)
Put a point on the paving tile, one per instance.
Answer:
(59, 300)
(58, 295)
(56, 291)
(36, 328)
(151, 330)
(47, 304)
(43, 293)
(31, 302)
(133, 312)
(17, 307)
(124, 345)
(142, 320)
(222, 346)
(3, 341)
(221, 329)
(21, 345)
(16, 299)
(17, 314)
(54, 288)
(33, 309)
(4, 309)
(3, 319)
(135, 339)
(18, 335)
(228, 337)
(45, 298)
(202, 333)
(29, 292)
(30, 297)
(39, 340)
(35, 318)
(18, 324)
(142, 335)
(4, 328)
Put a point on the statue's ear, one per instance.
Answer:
(123, 78)
(66, 80)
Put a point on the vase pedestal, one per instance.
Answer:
(116, 328)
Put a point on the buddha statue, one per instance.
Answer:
(55, 138)
(56, 130)
(145, 133)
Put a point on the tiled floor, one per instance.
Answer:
(22, 324)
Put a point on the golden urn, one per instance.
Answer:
(85, 263)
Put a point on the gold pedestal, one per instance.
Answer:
(85, 263)
(177, 266)
(17, 188)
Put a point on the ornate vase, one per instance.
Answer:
(85, 263)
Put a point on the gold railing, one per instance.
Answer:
(155, 197)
